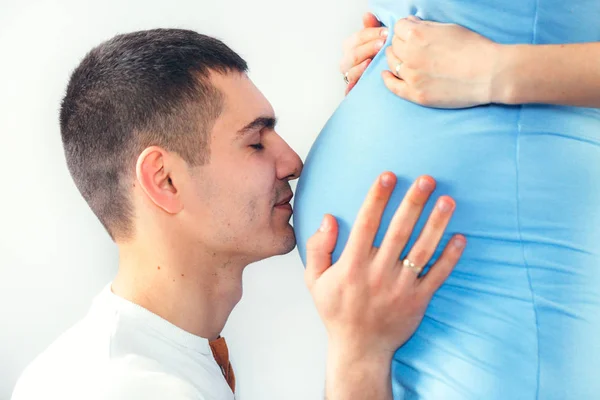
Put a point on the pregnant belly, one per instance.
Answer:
(528, 200)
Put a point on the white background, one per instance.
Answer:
(55, 256)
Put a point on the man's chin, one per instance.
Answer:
(287, 242)
(289, 250)
(281, 242)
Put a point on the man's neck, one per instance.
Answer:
(196, 293)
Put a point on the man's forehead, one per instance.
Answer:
(242, 100)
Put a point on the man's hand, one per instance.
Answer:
(441, 65)
(360, 48)
(370, 302)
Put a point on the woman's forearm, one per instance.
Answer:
(567, 74)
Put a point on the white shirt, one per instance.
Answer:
(121, 351)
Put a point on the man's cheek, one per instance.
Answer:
(251, 212)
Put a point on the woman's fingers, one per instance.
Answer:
(370, 21)
(395, 64)
(395, 85)
(355, 73)
(365, 45)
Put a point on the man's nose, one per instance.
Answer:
(290, 164)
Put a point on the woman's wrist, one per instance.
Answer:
(505, 77)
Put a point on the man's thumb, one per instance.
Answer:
(319, 248)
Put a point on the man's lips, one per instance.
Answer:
(285, 200)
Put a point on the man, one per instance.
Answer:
(175, 151)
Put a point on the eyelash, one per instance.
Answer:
(257, 146)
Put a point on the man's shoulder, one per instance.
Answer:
(133, 378)
(80, 365)
(152, 384)
(58, 358)
(108, 356)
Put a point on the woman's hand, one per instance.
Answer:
(440, 65)
(360, 48)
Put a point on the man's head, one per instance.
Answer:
(161, 130)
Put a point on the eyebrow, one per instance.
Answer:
(258, 124)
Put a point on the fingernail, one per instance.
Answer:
(444, 205)
(425, 185)
(386, 180)
(324, 225)
(459, 242)
(379, 44)
(384, 32)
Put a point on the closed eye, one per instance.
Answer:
(257, 146)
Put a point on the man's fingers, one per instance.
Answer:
(404, 220)
(319, 248)
(442, 268)
(370, 21)
(360, 242)
(430, 236)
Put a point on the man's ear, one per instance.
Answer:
(154, 175)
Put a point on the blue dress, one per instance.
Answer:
(519, 318)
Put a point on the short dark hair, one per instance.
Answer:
(133, 91)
